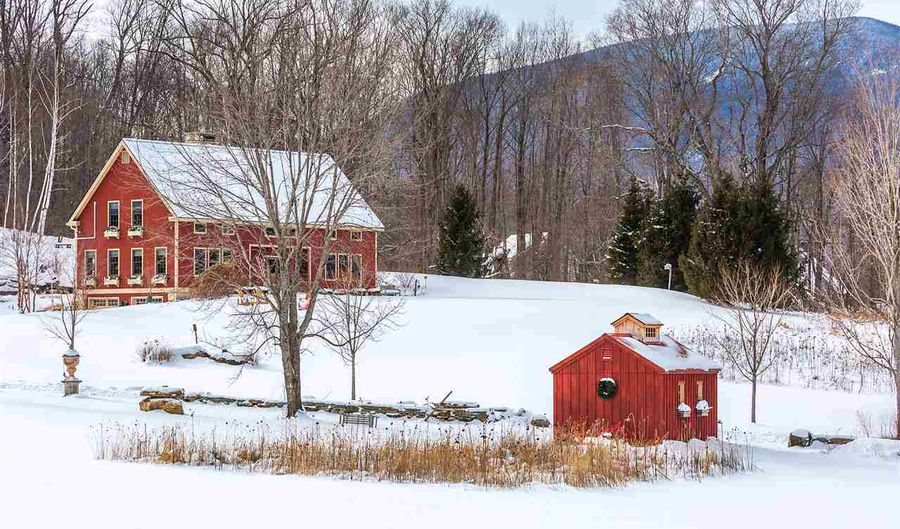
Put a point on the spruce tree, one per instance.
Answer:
(765, 231)
(624, 249)
(668, 236)
(714, 238)
(461, 242)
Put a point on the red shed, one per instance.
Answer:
(639, 381)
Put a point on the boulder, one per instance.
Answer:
(167, 405)
(163, 392)
(540, 422)
(800, 438)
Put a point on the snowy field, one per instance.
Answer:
(487, 341)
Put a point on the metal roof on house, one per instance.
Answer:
(207, 181)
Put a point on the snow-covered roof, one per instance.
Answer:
(642, 317)
(199, 180)
(52, 256)
(668, 353)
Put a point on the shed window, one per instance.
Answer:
(124, 157)
(699, 390)
(650, 332)
(681, 391)
(606, 354)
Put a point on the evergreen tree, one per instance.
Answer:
(714, 238)
(623, 254)
(743, 225)
(668, 236)
(765, 231)
(461, 242)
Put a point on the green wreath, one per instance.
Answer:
(606, 388)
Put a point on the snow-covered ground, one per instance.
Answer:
(487, 341)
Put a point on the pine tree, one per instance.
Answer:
(623, 254)
(765, 231)
(668, 236)
(714, 238)
(461, 242)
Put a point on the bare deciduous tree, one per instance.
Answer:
(866, 273)
(754, 299)
(347, 322)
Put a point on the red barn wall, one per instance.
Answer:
(645, 405)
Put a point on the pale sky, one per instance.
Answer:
(587, 16)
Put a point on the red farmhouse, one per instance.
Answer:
(639, 381)
(135, 241)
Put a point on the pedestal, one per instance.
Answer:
(70, 386)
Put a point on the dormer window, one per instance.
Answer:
(124, 157)
(643, 327)
(651, 332)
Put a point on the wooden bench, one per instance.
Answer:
(359, 419)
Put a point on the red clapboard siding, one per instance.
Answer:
(646, 402)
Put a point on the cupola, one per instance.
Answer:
(641, 326)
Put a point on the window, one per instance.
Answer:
(650, 332)
(343, 266)
(90, 263)
(137, 213)
(137, 262)
(161, 265)
(273, 264)
(304, 264)
(199, 228)
(214, 257)
(124, 157)
(270, 231)
(606, 354)
(330, 264)
(699, 390)
(112, 263)
(356, 266)
(227, 254)
(356, 235)
(143, 300)
(112, 213)
(681, 391)
(99, 303)
(332, 235)
(227, 230)
(199, 261)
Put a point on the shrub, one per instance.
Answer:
(216, 282)
(154, 352)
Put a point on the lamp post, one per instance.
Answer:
(669, 268)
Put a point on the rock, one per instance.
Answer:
(167, 405)
(163, 392)
(800, 438)
(540, 422)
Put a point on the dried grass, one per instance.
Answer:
(484, 458)
(154, 351)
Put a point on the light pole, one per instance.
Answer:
(669, 268)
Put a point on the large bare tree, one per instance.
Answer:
(865, 245)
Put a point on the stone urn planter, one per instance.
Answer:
(71, 358)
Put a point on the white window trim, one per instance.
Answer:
(332, 235)
(109, 204)
(92, 302)
(86, 253)
(109, 252)
(205, 229)
(142, 300)
(356, 235)
(165, 261)
(131, 264)
(227, 230)
(131, 213)
(335, 268)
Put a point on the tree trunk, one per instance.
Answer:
(753, 400)
(353, 377)
(290, 355)
(896, 347)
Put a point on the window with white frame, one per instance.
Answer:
(90, 263)
(143, 300)
(651, 332)
(112, 213)
(215, 255)
(137, 213)
(137, 262)
(331, 266)
(269, 231)
(199, 228)
(227, 230)
(112, 262)
(199, 261)
(227, 254)
(332, 235)
(356, 235)
(356, 266)
(99, 303)
(161, 263)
